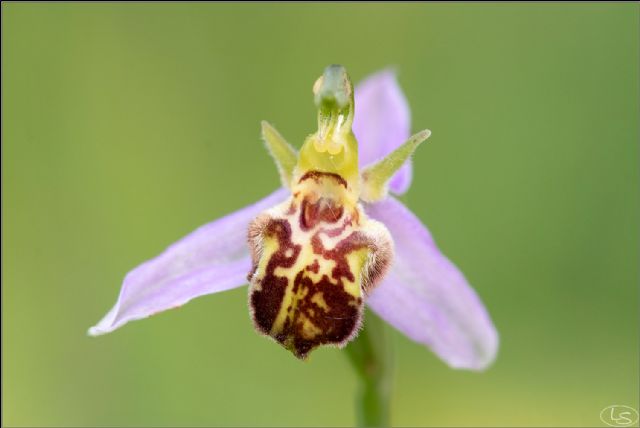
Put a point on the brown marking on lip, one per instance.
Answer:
(376, 270)
(314, 267)
(339, 317)
(323, 210)
(336, 323)
(355, 241)
(266, 301)
(317, 175)
(332, 233)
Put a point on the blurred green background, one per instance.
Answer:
(126, 126)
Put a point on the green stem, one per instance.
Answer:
(370, 356)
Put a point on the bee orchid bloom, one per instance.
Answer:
(331, 240)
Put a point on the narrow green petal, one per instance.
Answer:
(284, 155)
(376, 176)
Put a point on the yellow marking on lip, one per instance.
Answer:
(356, 261)
(309, 330)
(290, 299)
(318, 299)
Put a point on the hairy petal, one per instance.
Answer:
(375, 177)
(427, 298)
(382, 123)
(284, 155)
(213, 258)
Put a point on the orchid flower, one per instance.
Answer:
(331, 240)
